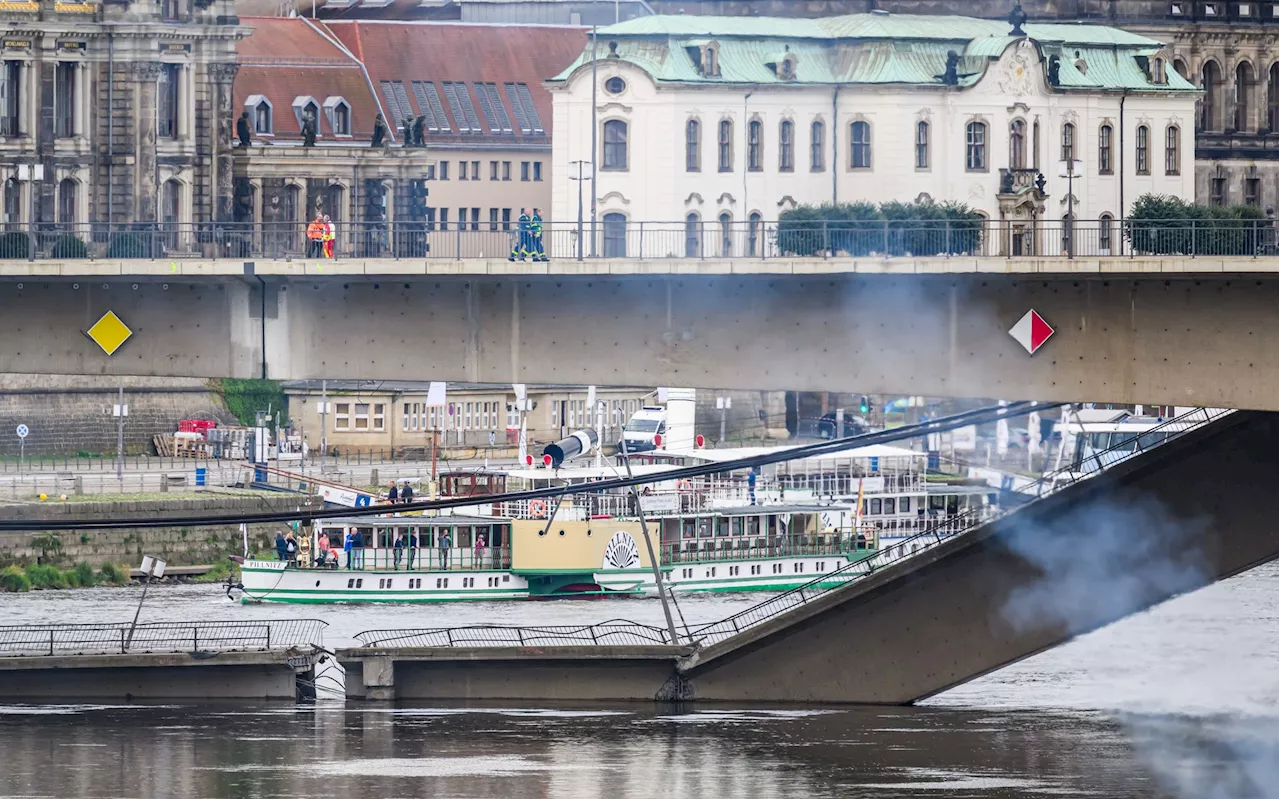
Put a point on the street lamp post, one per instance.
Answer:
(1068, 169)
(579, 178)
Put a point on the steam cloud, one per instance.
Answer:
(1113, 561)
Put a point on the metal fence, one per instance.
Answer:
(620, 238)
(1047, 484)
(619, 631)
(178, 636)
(616, 632)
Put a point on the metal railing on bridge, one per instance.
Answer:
(617, 632)
(178, 636)
(935, 534)
(619, 238)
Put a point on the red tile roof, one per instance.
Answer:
(286, 58)
(439, 52)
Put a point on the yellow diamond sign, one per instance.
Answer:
(109, 332)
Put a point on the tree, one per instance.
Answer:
(1159, 224)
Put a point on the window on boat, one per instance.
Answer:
(904, 504)
(737, 525)
(875, 507)
(688, 528)
(722, 526)
(704, 528)
(889, 505)
(753, 525)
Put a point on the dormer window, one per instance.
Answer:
(706, 57)
(260, 115)
(784, 65)
(303, 105)
(338, 112)
(1157, 71)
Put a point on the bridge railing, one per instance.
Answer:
(178, 636)
(617, 632)
(620, 632)
(620, 238)
(935, 534)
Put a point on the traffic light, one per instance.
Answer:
(864, 405)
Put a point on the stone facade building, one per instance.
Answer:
(720, 124)
(486, 130)
(116, 113)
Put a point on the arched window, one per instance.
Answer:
(922, 145)
(1068, 142)
(1105, 134)
(1172, 158)
(725, 145)
(615, 145)
(1157, 71)
(262, 121)
(615, 236)
(817, 146)
(860, 145)
(1211, 101)
(171, 212)
(1018, 145)
(755, 144)
(975, 146)
(1180, 67)
(1273, 98)
(786, 146)
(692, 146)
(1104, 234)
(754, 225)
(1243, 90)
(726, 234)
(1142, 143)
(335, 202)
(692, 236)
(67, 191)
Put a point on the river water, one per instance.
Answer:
(1180, 701)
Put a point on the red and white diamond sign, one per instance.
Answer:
(1031, 331)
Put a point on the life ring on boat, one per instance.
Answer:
(537, 508)
(684, 485)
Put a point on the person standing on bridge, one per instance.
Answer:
(520, 250)
(315, 237)
(535, 237)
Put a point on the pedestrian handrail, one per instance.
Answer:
(1047, 484)
(616, 632)
(619, 631)
(28, 640)
(683, 240)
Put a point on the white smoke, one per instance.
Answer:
(1111, 561)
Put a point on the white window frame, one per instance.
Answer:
(331, 114)
(251, 104)
(342, 416)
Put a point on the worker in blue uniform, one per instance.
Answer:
(523, 244)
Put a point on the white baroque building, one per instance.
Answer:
(723, 123)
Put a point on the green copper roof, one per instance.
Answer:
(871, 48)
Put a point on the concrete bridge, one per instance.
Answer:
(1176, 330)
(1198, 509)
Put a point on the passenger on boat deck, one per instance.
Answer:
(445, 543)
(347, 544)
(406, 493)
(357, 548)
(399, 548)
(282, 546)
(392, 495)
(291, 549)
(480, 545)
(323, 550)
(413, 547)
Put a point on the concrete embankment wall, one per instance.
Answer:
(67, 414)
(177, 545)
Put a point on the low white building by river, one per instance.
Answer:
(731, 121)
